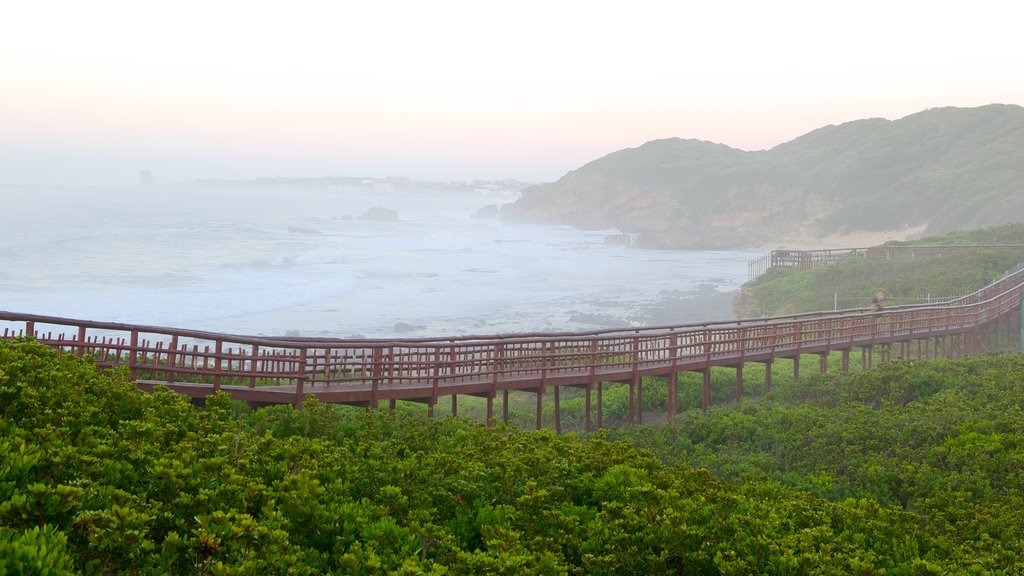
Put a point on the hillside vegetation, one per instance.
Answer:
(938, 170)
(941, 440)
(851, 283)
(915, 469)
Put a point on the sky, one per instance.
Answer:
(93, 92)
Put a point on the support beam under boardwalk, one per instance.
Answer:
(673, 396)
(705, 394)
(739, 382)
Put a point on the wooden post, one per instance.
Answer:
(634, 385)
(591, 379)
(495, 377)
(549, 352)
(133, 354)
(673, 379)
(218, 362)
(558, 412)
(673, 395)
(452, 361)
(798, 328)
(739, 382)
(631, 403)
(376, 374)
(705, 395)
(435, 383)
(1008, 329)
(80, 348)
(311, 364)
(768, 376)
(300, 380)
(586, 408)
(846, 360)
(172, 358)
(504, 406)
(639, 398)
(252, 365)
(540, 405)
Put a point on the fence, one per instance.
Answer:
(804, 259)
(364, 372)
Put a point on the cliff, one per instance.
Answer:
(932, 172)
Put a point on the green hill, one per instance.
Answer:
(932, 172)
(851, 283)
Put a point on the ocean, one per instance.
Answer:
(303, 261)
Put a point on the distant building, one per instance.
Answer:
(399, 182)
(146, 178)
(382, 187)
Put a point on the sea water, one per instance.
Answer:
(276, 260)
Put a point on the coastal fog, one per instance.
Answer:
(369, 258)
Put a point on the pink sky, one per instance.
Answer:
(94, 91)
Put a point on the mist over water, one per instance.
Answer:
(273, 261)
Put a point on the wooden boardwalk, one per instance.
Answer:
(805, 259)
(367, 372)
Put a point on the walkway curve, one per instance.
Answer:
(367, 372)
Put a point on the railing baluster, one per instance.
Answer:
(429, 365)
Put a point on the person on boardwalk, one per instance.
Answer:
(878, 302)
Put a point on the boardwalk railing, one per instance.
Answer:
(804, 259)
(366, 371)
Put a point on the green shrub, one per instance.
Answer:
(913, 468)
(38, 551)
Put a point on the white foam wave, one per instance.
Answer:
(233, 266)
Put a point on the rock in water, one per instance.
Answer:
(378, 214)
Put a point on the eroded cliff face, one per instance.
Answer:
(929, 173)
(661, 216)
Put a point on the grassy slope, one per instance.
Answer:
(855, 281)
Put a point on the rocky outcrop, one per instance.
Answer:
(303, 231)
(487, 212)
(378, 214)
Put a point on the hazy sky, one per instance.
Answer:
(93, 91)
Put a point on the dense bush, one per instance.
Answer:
(942, 440)
(99, 478)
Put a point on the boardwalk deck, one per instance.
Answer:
(367, 372)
